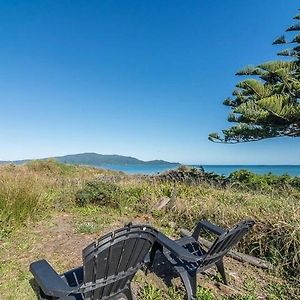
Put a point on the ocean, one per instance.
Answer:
(293, 170)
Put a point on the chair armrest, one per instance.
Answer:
(48, 280)
(208, 226)
(178, 250)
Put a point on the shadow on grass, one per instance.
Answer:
(163, 269)
(35, 287)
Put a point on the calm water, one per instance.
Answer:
(293, 170)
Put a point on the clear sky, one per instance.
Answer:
(138, 77)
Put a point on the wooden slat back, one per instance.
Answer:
(111, 262)
(226, 241)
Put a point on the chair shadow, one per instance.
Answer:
(163, 269)
(37, 290)
(35, 287)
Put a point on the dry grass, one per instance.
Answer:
(31, 191)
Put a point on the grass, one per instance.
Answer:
(97, 200)
(204, 294)
(149, 291)
(31, 191)
(92, 219)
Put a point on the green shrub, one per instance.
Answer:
(98, 192)
(266, 181)
(295, 182)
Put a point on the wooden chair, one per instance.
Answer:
(109, 265)
(188, 257)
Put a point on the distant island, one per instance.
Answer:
(99, 160)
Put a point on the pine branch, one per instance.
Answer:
(268, 106)
(279, 40)
(295, 27)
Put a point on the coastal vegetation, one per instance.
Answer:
(266, 104)
(35, 195)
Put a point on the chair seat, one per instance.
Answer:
(72, 278)
(193, 247)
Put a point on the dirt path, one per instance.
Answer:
(58, 241)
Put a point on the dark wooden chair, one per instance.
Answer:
(188, 257)
(109, 265)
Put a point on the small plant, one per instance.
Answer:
(150, 292)
(277, 292)
(204, 294)
(175, 294)
(241, 297)
(250, 285)
(87, 227)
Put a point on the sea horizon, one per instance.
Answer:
(292, 170)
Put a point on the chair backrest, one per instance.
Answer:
(110, 263)
(226, 241)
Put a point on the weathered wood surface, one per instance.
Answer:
(162, 203)
(254, 261)
(167, 202)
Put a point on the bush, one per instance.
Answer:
(266, 181)
(98, 192)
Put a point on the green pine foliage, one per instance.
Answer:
(267, 103)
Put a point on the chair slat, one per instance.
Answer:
(135, 254)
(116, 254)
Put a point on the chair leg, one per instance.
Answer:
(221, 270)
(128, 294)
(190, 283)
(156, 247)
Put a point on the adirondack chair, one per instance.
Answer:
(109, 265)
(187, 256)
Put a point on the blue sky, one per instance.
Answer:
(140, 78)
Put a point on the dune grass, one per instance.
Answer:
(31, 191)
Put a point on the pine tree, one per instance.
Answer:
(267, 103)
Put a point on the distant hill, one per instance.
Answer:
(98, 160)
